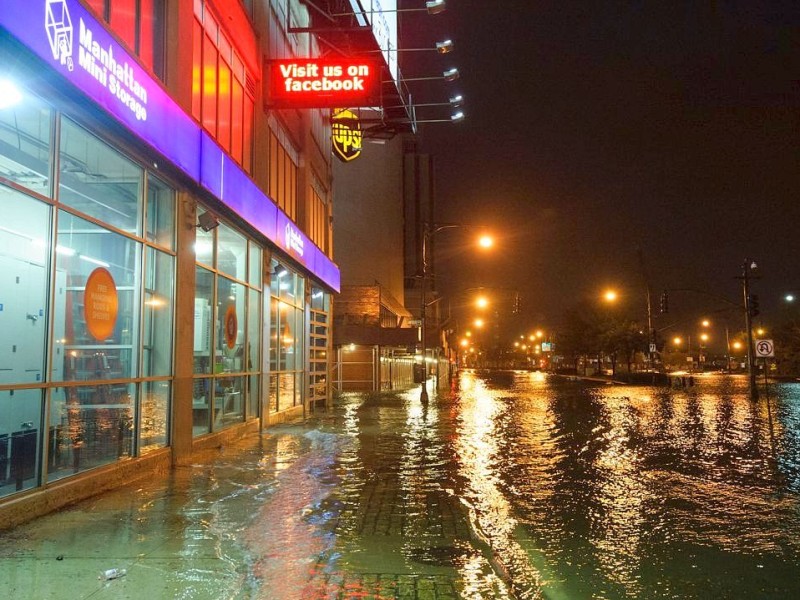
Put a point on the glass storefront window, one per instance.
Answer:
(231, 253)
(159, 296)
(160, 214)
(227, 341)
(253, 395)
(203, 301)
(25, 133)
(204, 245)
(287, 318)
(230, 322)
(90, 426)
(103, 310)
(254, 277)
(24, 261)
(20, 439)
(98, 181)
(96, 305)
(155, 415)
(253, 350)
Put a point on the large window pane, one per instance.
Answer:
(204, 244)
(253, 354)
(154, 419)
(25, 131)
(160, 213)
(90, 426)
(203, 301)
(253, 395)
(201, 406)
(98, 340)
(24, 254)
(230, 327)
(254, 277)
(20, 439)
(99, 181)
(232, 252)
(229, 401)
(158, 314)
(274, 337)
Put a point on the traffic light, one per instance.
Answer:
(752, 304)
(664, 302)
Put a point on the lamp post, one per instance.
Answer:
(429, 230)
(747, 275)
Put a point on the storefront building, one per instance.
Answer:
(165, 244)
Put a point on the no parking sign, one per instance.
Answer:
(765, 349)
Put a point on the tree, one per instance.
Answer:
(787, 344)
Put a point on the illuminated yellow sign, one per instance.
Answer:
(346, 135)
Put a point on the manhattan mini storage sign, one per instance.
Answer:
(322, 83)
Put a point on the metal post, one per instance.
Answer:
(423, 395)
(650, 337)
(751, 363)
(727, 350)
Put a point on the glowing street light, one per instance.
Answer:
(429, 231)
(482, 302)
(677, 341)
(610, 296)
(478, 323)
(486, 241)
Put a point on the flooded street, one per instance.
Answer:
(512, 485)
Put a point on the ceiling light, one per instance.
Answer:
(444, 47)
(434, 7)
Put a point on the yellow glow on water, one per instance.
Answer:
(477, 438)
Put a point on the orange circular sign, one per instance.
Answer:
(231, 326)
(100, 304)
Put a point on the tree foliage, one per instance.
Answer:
(587, 331)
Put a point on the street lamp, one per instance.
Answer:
(429, 231)
(610, 296)
(749, 312)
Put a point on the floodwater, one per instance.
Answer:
(510, 485)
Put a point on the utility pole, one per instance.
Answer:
(747, 268)
(423, 395)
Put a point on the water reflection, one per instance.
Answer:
(481, 419)
(632, 491)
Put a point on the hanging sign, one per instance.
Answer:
(322, 83)
(346, 135)
(100, 304)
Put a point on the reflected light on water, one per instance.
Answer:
(478, 455)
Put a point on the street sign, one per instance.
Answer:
(765, 349)
(652, 347)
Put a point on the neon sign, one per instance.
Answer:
(346, 135)
(67, 38)
(294, 241)
(318, 83)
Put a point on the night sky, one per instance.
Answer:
(596, 128)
